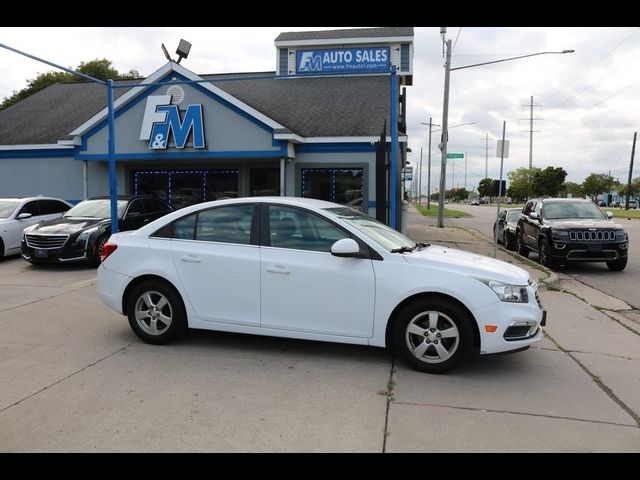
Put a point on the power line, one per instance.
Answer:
(456, 41)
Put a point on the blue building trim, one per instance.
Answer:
(233, 154)
(150, 90)
(336, 147)
(37, 153)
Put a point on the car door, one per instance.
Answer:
(217, 259)
(303, 287)
(528, 225)
(14, 230)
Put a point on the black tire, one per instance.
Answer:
(433, 317)
(544, 255)
(521, 248)
(617, 265)
(170, 319)
(508, 241)
(95, 258)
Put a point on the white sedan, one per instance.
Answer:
(16, 214)
(310, 269)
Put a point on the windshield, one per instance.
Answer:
(513, 216)
(96, 209)
(7, 207)
(387, 237)
(581, 210)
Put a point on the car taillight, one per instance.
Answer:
(107, 249)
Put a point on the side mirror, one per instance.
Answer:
(609, 215)
(24, 216)
(345, 247)
(534, 216)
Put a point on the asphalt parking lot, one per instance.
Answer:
(73, 377)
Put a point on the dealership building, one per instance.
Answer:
(313, 128)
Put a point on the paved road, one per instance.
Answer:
(623, 285)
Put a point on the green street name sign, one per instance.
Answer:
(455, 155)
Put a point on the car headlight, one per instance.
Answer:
(84, 236)
(559, 234)
(507, 292)
(621, 235)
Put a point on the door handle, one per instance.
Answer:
(278, 269)
(190, 258)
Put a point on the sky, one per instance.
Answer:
(586, 104)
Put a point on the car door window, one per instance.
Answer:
(152, 205)
(230, 224)
(51, 207)
(302, 230)
(31, 207)
(135, 209)
(183, 229)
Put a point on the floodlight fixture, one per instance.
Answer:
(183, 49)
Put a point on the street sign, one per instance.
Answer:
(455, 155)
(499, 149)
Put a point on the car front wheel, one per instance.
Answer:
(156, 312)
(617, 265)
(521, 248)
(433, 335)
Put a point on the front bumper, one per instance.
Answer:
(588, 251)
(68, 253)
(518, 325)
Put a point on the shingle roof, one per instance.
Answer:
(346, 33)
(310, 107)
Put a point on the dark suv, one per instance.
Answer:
(565, 230)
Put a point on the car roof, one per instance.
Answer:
(122, 197)
(562, 200)
(23, 199)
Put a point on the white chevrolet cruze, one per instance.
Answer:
(310, 269)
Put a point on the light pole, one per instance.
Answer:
(445, 112)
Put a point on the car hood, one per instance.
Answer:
(469, 264)
(585, 223)
(66, 225)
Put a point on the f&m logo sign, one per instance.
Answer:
(161, 119)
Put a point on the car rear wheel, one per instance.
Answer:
(156, 312)
(433, 335)
(508, 241)
(521, 248)
(617, 265)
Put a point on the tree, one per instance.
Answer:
(634, 193)
(456, 194)
(99, 68)
(484, 187)
(548, 182)
(597, 183)
(520, 182)
(574, 189)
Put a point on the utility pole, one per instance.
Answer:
(465, 169)
(531, 119)
(486, 155)
(445, 134)
(420, 180)
(633, 152)
(430, 124)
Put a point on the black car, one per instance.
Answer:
(566, 230)
(78, 236)
(507, 224)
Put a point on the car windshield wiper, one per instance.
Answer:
(421, 245)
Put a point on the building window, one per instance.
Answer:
(180, 188)
(339, 185)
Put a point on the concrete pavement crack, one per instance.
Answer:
(389, 394)
(597, 381)
(511, 412)
(65, 378)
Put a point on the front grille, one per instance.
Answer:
(592, 235)
(46, 241)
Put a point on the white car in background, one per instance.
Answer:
(315, 270)
(16, 214)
